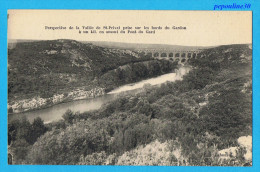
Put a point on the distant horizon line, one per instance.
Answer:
(125, 42)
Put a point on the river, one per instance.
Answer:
(55, 112)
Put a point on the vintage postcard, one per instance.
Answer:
(130, 87)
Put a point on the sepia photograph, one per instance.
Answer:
(130, 87)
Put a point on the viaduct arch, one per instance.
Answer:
(170, 54)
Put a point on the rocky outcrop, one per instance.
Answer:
(245, 144)
(39, 102)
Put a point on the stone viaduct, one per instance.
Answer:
(172, 54)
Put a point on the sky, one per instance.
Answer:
(203, 28)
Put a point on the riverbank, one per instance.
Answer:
(54, 111)
(126, 74)
(37, 103)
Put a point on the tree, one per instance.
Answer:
(68, 116)
(23, 130)
(20, 149)
(10, 110)
(37, 129)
